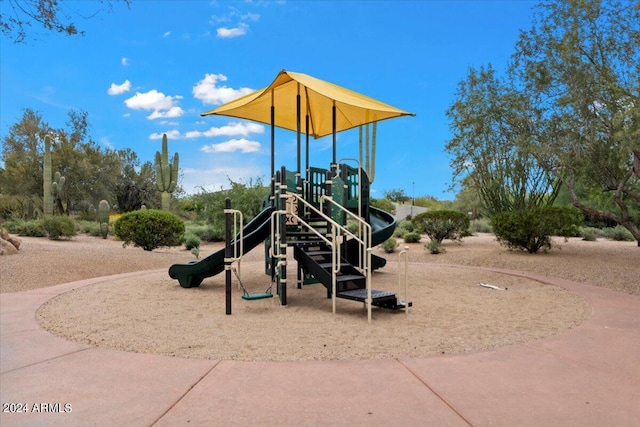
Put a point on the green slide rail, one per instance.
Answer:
(191, 275)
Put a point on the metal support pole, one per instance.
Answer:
(333, 128)
(306, 153)
(299, 183)
(228, 254)
(273, 149)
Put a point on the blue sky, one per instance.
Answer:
(153, 68)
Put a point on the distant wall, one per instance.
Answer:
(403, 210)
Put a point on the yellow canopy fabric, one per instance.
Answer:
(316, 99)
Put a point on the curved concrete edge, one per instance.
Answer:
(587, 376)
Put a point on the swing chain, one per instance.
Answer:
(244, 290)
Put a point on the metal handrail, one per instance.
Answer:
(366, 243)
(336, 232)
(238, 249)
(402, 254)
(365, 247)
(275, 234)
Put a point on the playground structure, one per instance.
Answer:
(325, 216)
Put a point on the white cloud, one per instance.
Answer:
(163, 106)
(209, 91)
(232, 129)
(115, 89)
(243, 145)
(167, 34)
(152, 100)
(170, 113)
(234, 15)
(171, 134)
(124, 61)
(228, 33)
(250, 17)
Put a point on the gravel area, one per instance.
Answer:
(451, 313)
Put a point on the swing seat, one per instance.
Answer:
(257, 295)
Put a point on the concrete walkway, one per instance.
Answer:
(588, 376)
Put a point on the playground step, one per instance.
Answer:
(382, 299)
(317, 262)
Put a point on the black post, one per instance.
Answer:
(333, 128)
(299, 130)
(299, 146)
(273, 150)
(228, 253)
(306, 153)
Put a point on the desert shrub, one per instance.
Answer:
(86, 211)
(191, 241)
(442, 224)
(619, 233)
(32, 228)
(58, 226)
(196, 252)
(435, 247)
(91, 228)
(412, 237)
(149, 229)
(208, 233)
(531, 229)
(482, 225)
(10, 207)
(590, 234)
(403, 227)
(389, 245)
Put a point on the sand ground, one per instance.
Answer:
(451, 313)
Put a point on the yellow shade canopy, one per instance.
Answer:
(317, 97)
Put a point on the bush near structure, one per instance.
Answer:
(442, 224)
(531, 229)
(149, 229)
(59, 226)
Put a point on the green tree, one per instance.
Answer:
(17, 17)
(136, 184)
(493, 128)
(579, 65)
(397, 195)
(467, 200)
(22, 152)
(91, 173)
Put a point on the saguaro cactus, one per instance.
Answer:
(103, 217)
(166, 173)
(57, 190)
(47, 205)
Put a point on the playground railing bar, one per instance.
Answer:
(238, 246)
(364, 245)
(333, 243)
(401, 255)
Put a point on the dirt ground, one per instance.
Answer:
(452, 313)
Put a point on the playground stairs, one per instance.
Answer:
(314, 257)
